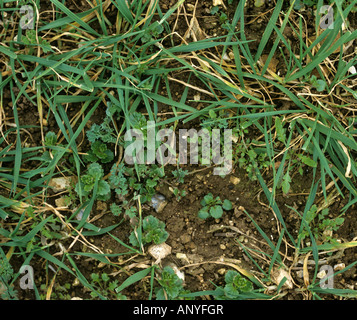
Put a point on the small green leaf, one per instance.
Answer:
(216, 212)
(131, 212)
(103, 188)
(115, 209)
(50, 139)
(279, 129)
(203, 213)
(208, 198)
(286, 183)
(95, 277)
(133, 239)
(227, 205)
(96, 170)
(214, 10)
(231, 291)
(212, 114)
(230, 276)
(320, 85)
(259, 3)
(308, 161)
(105, 277)
(170, 282)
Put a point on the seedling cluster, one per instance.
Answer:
(213, 207)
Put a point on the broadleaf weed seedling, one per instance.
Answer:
(7, 291)
(320, 225)
(129, 210)
(171, 285)
(59, 292)
(142, 181)
(105, 287)
(180, 175)
(99, 152)
(179, 194)
(234, 287)
(318, 84)
(153, 231)
(213, 207)
(50, 231)
(53, 148)
(94, 176)
(30, 40)
(249, 159)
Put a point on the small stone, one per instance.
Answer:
(196, 272)
(182, 256)
(61, 183)
(76, 282)
(339, 266)
(321, 274)
(217, 2)
(234, 180)
(102, 206)
(158, 202)
(190, 7)
(63, 202)
(279, 274)
(327, 233)
(159, 251)
(226, 57)
(185, 238)
(197, 97)
(241, 238)
(221, 271)
(195, 258)
(223, 247)
(79, 215)
(191, 245)
(352, 70)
